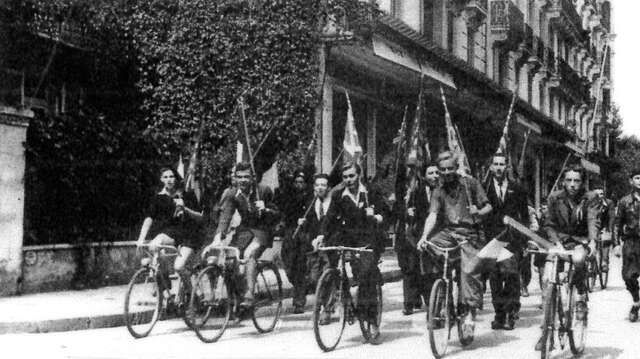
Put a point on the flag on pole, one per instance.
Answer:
(454, 141)
(492, 253)
(351, 144)
(418, 152)
(270, 177)
(180, 166)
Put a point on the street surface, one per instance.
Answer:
(610, 335)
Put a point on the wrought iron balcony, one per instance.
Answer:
(507, 21)
(564, 15)
(346, 23)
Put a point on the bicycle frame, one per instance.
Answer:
(446, 276)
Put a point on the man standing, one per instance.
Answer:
(572, 224)
(293, 202)
(311, 225)
(353, 221)
(607, 219)
(507, 198)
(628, 229)
(412, 211)
(258, 217)
(461, 203)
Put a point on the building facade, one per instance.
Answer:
(554, 54)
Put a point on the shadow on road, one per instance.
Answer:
(595, 353)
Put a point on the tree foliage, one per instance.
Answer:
(154, 72)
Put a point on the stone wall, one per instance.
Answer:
(13, 133)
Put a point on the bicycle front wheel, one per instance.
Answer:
(142, 303)
(592, 273)
(329, 312)
(548, 321)
(268, 294)
(439, 319)
(210, 305)
(365, 323)
(576, 323)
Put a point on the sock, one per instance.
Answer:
(636, 304)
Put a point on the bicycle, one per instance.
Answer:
(561, 319)
(444, 312)
(335, 306)
(217, 294)
(144, 299)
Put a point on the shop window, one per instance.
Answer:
(471, 46)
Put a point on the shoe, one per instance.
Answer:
(248, 302)
(497, 325)
(374, 334)
(581, 310)
(633, 313)
(524, 292)
(298, 309)
(468, 322)
(407, 311)
(510, 323)
(539, 345)
(325, 318)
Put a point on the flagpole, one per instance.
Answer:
(295, 233)
(523, 153)
(246, 136)
(566, 161)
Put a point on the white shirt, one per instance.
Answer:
(501, 190)
(354, 198)
(325, 205)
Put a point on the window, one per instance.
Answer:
(450, 20)
(471, 46)
(428, 19)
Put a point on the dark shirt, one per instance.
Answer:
(251, 218)
(293, 203)
(513, 204)
(568, 220)
(628, 218)
(450, 202)
(347, 223)
(162, 209)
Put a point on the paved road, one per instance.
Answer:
(609, 336)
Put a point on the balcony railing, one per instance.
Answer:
(69, 32)
(568, 14)
(507, 21)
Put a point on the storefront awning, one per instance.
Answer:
(401, 56)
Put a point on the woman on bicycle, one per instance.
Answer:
(174, 217)
(572, 224)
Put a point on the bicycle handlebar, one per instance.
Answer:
(222, 249)
(446, 249)
(172, 249)
(343, 248)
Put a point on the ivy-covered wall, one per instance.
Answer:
(152, 72)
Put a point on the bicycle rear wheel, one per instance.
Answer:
(365, 324)
(438, 319)
(268, 294)
(548, 323)
(210, 305)
(329, 311)
(142, 303)
(603, 275)
(576, 323)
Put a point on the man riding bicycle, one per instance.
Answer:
(352, 220)
(460, 202)
(258, 215)
(572, 224)
(173, 218)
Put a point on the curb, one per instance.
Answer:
(113, 320)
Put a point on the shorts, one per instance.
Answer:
(184, 236)
(243, 238)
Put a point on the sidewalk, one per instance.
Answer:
(98, 308)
